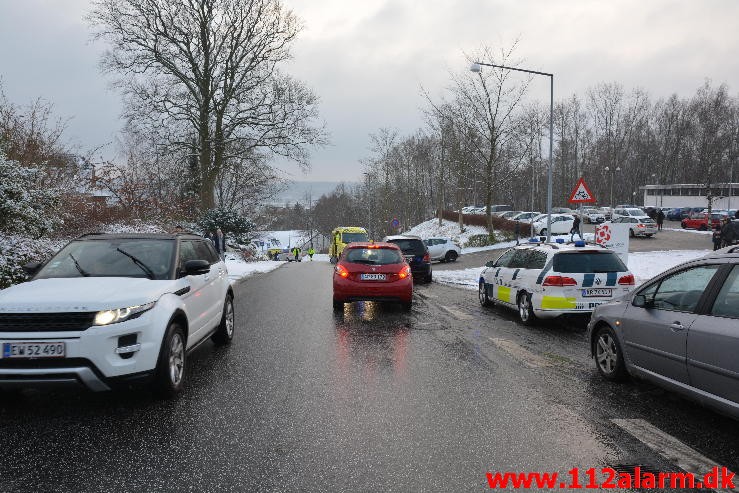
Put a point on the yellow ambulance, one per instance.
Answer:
(343, 235)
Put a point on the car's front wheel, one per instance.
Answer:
(169, 378)
(608, 356)
(225, 332)
(482, 294)
(526, 309)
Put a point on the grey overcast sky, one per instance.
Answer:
(368, 59)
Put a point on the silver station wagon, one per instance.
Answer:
(679, 330)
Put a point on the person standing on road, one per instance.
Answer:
(716, 237)
(220, 243)
(728, 235)
(296, 254)
(311, 252)
(517, 231)
(575, 228)
(660, 219)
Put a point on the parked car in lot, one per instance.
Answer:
(374, 272)
(678, 213)
(525, 217)
(547, 280)
(562, 210)
(638, 226)
(415, 253)
(678, 330)
(591, 215)
(115, 309)
(508, 214)
(443, 249)
(561, 224)
(699, 221)
(628, 212)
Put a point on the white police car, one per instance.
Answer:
(547, 280)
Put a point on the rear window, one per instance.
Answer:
(353, 237)
(373, 256)
(588, 262)
(410, 246)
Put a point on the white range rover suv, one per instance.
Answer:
(547, 280)
(115, 309)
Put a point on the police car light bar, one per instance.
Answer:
(580, 243)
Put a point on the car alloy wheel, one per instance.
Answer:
(482, 294)
(608, 356)
(176, 359)
(225, 332)
(525, 310)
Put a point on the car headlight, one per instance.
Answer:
(107, 317)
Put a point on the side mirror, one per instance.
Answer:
(32, 268)
(641, 301)
(491, 263)
(196, 267)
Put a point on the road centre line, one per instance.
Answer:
(458, 314)
(669, 447)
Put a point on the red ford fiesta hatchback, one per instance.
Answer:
(372, 272)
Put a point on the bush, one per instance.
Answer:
(479, 241)
(234, 226)
(17, 251)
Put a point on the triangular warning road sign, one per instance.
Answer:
(581, 194)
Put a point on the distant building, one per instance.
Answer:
(725, 195)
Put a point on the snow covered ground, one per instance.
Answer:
(238, 269)
(448, 229)
(644, 266)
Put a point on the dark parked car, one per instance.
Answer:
(678, 213)
(678, 330)
(415, 253)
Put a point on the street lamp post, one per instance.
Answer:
(477, 67)
(618, 168)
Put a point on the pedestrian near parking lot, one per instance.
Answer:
(728, 235)
(517, 231)
(660, 219)
(716, 237)
(575, 228)
(311, 252)
(220, 242)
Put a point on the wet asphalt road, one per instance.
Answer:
(373, 399)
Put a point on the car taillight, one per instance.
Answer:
(560, 281)
(640, 226)
(404, 272)
(341, 270)
(627, 280)
(427, 257)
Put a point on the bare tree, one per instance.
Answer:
(209, 69)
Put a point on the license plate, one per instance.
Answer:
(33, 350)
(596, 292)
(373, 277)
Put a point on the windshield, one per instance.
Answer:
(353, 237)
(635, 212)
(373, 256)
(112, 258)
(588, 262)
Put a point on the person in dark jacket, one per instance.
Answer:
(220, 242)
(728, 234)
(660, 219)
(736, 214)
(517, 231)
(575, 228)
(716, 237)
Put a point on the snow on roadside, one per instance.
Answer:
(239, 269)
(694, 231)
(448, 229)
(644, 266)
